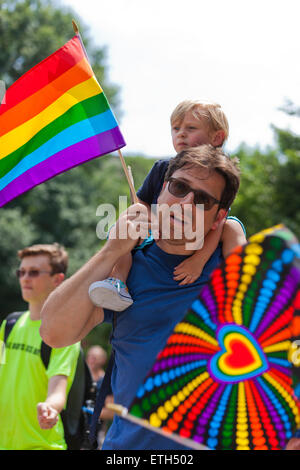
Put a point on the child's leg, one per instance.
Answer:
(122, 267)
(233, 236)
(112, 292)
(190, 269)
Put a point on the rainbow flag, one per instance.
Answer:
(53, 118)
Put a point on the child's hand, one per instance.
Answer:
(188, 271)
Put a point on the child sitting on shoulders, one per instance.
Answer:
(193, 123)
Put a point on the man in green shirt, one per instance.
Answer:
(32, 396)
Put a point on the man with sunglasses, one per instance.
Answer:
(202, 174)
(31, 395)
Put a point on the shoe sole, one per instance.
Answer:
(107, 298)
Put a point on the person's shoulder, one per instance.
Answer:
(159, 170)
(153, 183)
(162, 164)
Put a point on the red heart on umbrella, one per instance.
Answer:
(240, 355)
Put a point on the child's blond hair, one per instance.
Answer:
(212, 113)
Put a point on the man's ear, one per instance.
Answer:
(218, 138)
(222, 213)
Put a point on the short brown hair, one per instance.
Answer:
(58, 257)
(213, 159)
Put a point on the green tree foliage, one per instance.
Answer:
(269, 192)
(16, 231)
(286, 189)
(31, 30)
(254, 203)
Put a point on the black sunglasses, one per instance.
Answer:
(31, 272)
(180, 189)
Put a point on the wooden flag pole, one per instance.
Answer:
(128, 175)
(132, 180)
(123, 412)
(129, 179)
(75, 27)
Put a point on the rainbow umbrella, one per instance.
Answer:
(224, 379)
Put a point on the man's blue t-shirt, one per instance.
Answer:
(141, 332)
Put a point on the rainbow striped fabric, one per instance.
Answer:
(53, 118)
(228, 376)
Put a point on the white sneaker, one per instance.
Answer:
(111, 293)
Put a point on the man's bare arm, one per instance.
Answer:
(68, 314)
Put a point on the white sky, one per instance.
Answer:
(242, 54)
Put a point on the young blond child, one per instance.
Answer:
(193, 123)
